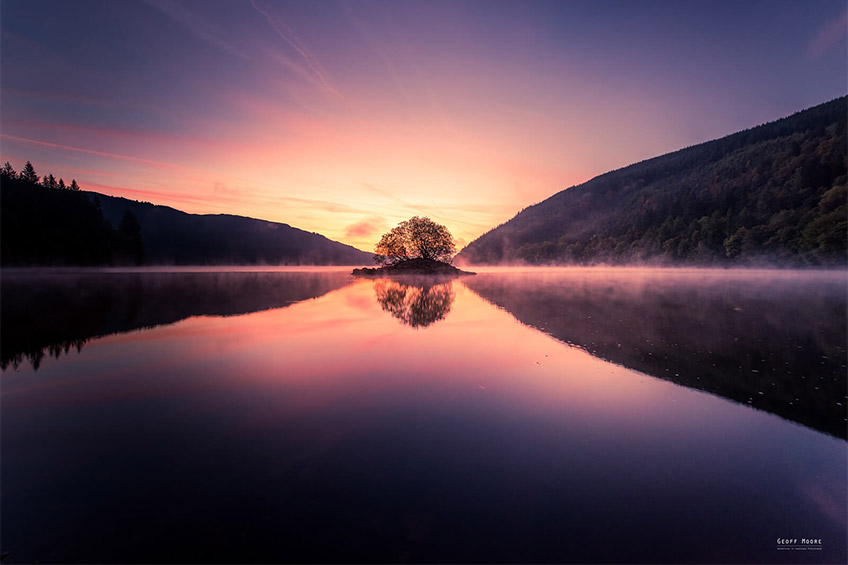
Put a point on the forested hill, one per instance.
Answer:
(46, 223)
(174, 237)
(776, 192)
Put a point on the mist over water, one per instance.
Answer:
(775, 340)
(519, 415)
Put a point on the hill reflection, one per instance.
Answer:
(775, 341)
(49, 313)
(418, 303)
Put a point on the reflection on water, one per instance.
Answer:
(415, 303)
(773, 340)
(242, 421)
(51, 313)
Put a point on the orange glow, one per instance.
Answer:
(348, 119)
(287, 346)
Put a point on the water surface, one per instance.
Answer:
(519, 416)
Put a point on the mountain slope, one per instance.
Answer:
(773, 192)
(174, 237)
(48, 226)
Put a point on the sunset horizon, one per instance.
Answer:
(424, 281)
(346, 118)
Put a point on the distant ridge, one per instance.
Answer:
(776, 192)
(46, 225)
(174, 237)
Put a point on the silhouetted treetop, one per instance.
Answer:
(418, 237)
(28, 173)
(49, 181)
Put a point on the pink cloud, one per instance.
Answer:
(165, 198)
(365, 228)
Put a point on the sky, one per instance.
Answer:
(346, 117)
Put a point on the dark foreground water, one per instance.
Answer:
(518, 416)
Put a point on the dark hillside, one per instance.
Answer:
(48, 226)
(775, 192)
(174, 237)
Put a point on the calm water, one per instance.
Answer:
(513, 416)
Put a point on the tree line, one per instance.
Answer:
(46, 222)
(776, 192)
(29, 175)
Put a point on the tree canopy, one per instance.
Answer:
(417, 237)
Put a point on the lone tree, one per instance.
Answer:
(417, 237)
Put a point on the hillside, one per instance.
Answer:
(48, 226)
(776, 192)
(174, 237)
(44, 225)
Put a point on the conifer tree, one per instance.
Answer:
(74, 185)
(28, 173)
(8, 171)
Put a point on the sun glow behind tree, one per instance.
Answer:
(417, 237)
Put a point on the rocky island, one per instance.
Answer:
(417, 266)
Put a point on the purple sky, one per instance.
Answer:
(347, 117)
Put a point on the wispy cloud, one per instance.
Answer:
(161, 197)
(455, 214)
(322, 78)
(110, 134)
(363, 29)
(202, 29)
(829, 36)
(100, 153)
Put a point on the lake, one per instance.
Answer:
(536, 415)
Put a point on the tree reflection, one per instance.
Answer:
(417, 304)
(53, 314)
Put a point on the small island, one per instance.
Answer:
(416, 266)
(418, 246)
